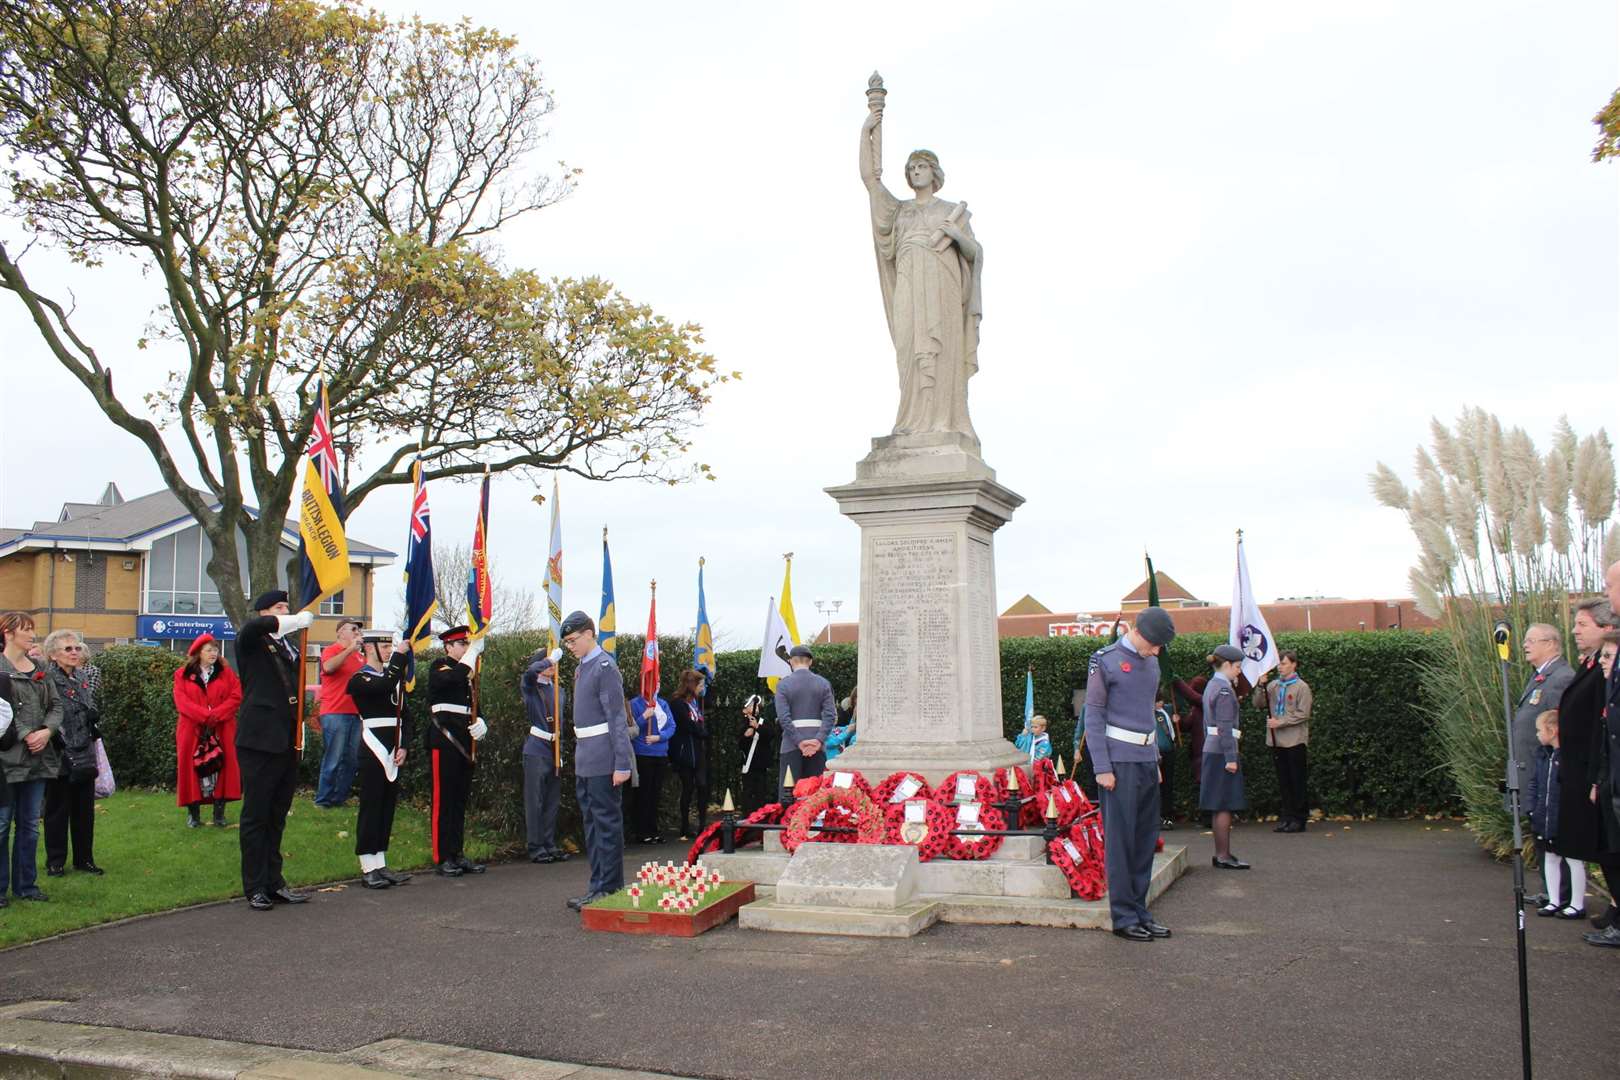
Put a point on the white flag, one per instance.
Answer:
(1248, 630)
(773, 652)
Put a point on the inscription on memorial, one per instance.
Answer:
(982, 644)
(914, 582)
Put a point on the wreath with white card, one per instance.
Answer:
(922, 823)
(834, 806)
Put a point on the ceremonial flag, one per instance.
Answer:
(480, 592)
(649, 659)
(607, 623)
(773, 652)
(703, 637)
(1248, 629)
(1029, 697)
(1153, 581)
(420, 602)
(554, 614)
(788, 621)
(323, 549)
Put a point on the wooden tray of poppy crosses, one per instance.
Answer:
(669, 900)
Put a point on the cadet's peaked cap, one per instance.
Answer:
(376, 634)
(1228, 652)
(1154, 624)
(802, 650)
(270, 599)
(455, 633)
(576, 622)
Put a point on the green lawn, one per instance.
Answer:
(155, 863)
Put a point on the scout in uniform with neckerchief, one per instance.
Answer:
(1121, 684)
(377, 690)
(452, 730)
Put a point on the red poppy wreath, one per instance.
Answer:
(833, 806)
(923, 824)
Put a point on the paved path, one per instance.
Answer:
(1384, 949)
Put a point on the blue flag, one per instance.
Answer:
(420, 598)
(607, 622)
(1029, 697)
(703, 637)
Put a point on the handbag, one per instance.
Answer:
(105, 784)
(209, 757)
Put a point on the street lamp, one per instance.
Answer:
(828, 609)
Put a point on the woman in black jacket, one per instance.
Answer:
(689, 751)
(1579, 718)
(70, 798)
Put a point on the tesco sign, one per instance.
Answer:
(1085, 629)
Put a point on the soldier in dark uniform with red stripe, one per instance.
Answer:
(452, 731)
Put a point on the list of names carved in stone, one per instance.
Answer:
(981, 632)
(913, 581)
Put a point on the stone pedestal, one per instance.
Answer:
(930, 659)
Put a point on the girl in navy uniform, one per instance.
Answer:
(1221, 775)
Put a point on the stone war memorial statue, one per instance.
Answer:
(926, 502)
(929, 266)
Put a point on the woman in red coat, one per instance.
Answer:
(206, 694)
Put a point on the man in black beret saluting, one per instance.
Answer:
(1121, 683)
(267, 663)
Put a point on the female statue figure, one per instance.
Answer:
(929, 266)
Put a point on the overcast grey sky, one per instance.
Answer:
(1236, 253)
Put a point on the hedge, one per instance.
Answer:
(1372, 748)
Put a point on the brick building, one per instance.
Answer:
(1030, 618)
(133, 570)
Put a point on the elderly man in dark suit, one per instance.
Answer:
(1543, 647)
(267, 664)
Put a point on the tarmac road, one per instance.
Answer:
(1379, 949)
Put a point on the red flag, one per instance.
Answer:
(649, 660)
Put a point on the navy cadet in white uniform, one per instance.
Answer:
(601, 756)
(806, 711)
(385, 733)
(1121, 684)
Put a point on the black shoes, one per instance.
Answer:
(394, 877)
(469, 867)
(549, 857)
(1571, 913)
(1157, 929)
(193, 819)
(1290, 825)
(260, 902)
(447, 869)
(285, 895)
(219, 815)
(1609, 939)
(54, 871)
(651, 840)
(1547, 911)
(1231, 862)
(1607, 919)
(1133, 933)
(89, 868)
(373, 879)
(579, 902)
(34, 895)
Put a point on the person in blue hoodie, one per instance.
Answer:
(1542, 803)
(655, 725)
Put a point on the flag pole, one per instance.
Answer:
(653, 704)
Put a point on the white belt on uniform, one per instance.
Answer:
(384, 756)
(379, 721)
(447, 707)
(1125, 735)
(1214, 732)
(590, 730)
(807, 723)
(539, 733)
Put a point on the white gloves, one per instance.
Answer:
(478, 729)
(399, 641)
(5, 715)
(474, 651)
(286, 624)
(555, 656)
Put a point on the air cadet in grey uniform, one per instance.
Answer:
(601, 756)
(1120, 687)
(1220, 787)
(806, 711)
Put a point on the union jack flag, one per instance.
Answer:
(420, 598)
(322, 451)
(323, 548)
